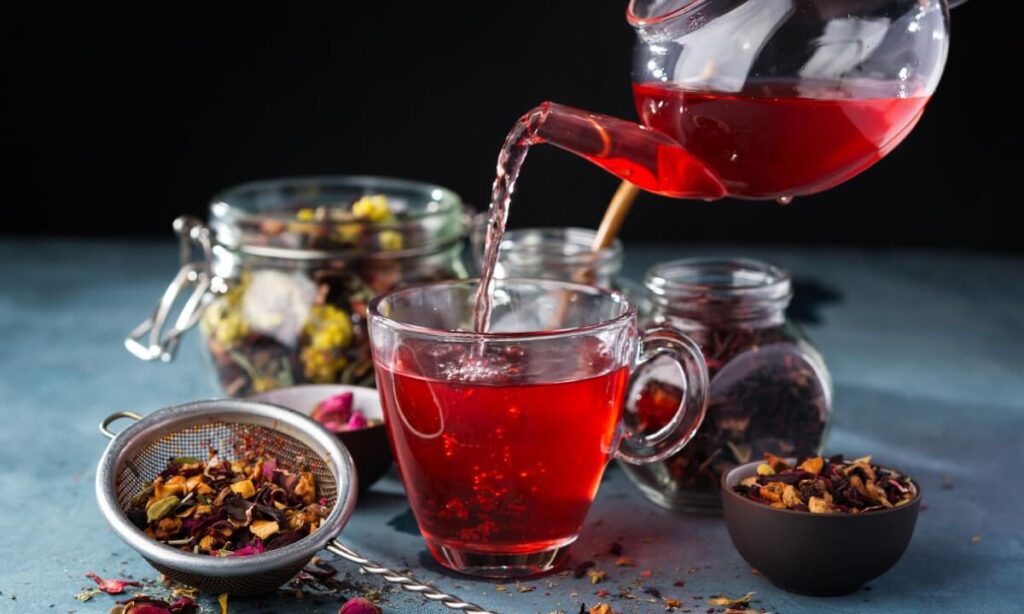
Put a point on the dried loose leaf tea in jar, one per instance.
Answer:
(770, 390)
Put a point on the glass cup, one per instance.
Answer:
(502, 437)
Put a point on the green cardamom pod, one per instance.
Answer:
(162, 507)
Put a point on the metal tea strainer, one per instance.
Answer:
(140, 452)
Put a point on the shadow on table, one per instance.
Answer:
(810, 295)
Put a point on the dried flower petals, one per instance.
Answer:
(831, 486)
(87, 594)
(111, 587)
(359, 605)
(729, 602)
(242, 507)
(141, 604)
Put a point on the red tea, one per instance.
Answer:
(500, 466)
(777, 139)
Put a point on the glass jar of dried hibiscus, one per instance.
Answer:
(279, 280)
(770, 391)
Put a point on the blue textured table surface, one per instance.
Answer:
(926, 348)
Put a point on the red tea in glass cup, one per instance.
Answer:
(502, 437)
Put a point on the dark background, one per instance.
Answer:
(123, 119)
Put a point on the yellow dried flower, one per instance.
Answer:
(223, 319)
(231, 328)
(347, 233)
(264, 384)
(305, 215)
(390, 240)
(321, 367)
(374, 208)
(329, 327)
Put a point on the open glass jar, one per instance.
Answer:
(280, 279)
(552, 253)
(769, 388)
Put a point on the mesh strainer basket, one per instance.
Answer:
(141, 451)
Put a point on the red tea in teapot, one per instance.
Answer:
(775, 139)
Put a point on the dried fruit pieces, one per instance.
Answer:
(832, 486)
(228, 508)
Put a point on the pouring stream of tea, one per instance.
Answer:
(627, 150)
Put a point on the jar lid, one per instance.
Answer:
(312, 218)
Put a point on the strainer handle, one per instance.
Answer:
(114, 417)
(406, 582)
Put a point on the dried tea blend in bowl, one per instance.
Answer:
(827, 486)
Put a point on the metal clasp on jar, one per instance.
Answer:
(152, 339)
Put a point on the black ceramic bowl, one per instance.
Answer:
(369, 446)
(815, 554)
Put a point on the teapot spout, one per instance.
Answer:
(649, 159)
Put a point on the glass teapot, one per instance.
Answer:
(760, 99)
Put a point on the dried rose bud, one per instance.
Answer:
(359, 605)
(334, 412)
(356, 422)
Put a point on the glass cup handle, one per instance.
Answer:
(665, 341)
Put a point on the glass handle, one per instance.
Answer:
(693, 405)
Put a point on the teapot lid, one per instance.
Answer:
(646, 12)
